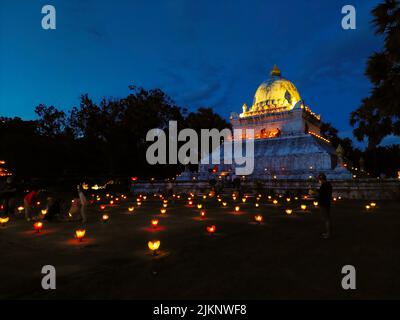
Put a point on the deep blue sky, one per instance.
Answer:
(202, 53)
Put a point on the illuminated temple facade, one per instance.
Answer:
(287, 140)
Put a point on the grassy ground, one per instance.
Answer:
(283, 258)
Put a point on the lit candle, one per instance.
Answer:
(258, 218)
(80, 234)
(289, 211)
(4, 221)
(237, 208)
(38, 226)
(163, 211)
(154, 245)
(199, 206)
(211, 229)
(303, 207)
(315, 203)
(154, 223)
(275, 201)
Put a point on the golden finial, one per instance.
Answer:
(275, 71)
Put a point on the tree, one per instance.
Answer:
(51, 121)
(351, 153)
(379, 114)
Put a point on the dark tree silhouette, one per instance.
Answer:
(379, 114)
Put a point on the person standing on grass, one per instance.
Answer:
(8, 195)
(29, 203)
(83, 203)
(324, 201)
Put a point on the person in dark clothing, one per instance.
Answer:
(53, 208)
(324, 201)
(8, 196)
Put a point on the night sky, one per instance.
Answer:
(202, 53)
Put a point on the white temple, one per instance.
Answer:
(287, 144)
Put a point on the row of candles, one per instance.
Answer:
(154, 245)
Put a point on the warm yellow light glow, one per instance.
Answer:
(139, 203)
(275, 201)
(154, 245)
(20, 209)
(367, 207)
(244, 200)
(237, 208)
(163, 211)
(131, 209)
(258, 218)
(4, 221)
(257, 205)
(269, 197)
(199, 206)
(315, 203)
(289, 211)
(373, 204)
(44, 212)
(105, 217)
(80, 234)
(303, 207)
(111, 202)
(224, 204)
(165, 205)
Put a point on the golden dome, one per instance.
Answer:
(275, 94)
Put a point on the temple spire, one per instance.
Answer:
(275, 71)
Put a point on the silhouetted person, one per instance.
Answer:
(324, 201)
(8, 195)
(53, 208)
(29, 203)
(83, 203)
